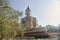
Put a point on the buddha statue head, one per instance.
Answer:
(28, 12)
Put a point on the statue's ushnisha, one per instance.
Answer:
(28, 20)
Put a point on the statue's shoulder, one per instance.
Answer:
(23, 18)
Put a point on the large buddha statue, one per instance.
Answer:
(28, 20)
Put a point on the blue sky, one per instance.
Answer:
(46, 11)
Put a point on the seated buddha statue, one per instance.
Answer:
(28, 20)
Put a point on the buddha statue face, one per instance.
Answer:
(27, 12)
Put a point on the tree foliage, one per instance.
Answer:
(9, 21)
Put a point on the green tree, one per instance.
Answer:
(1, 27)
(10, 29)
(22, 30)
(9, 21)
(51, 28)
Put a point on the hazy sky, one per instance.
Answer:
(46, 11)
